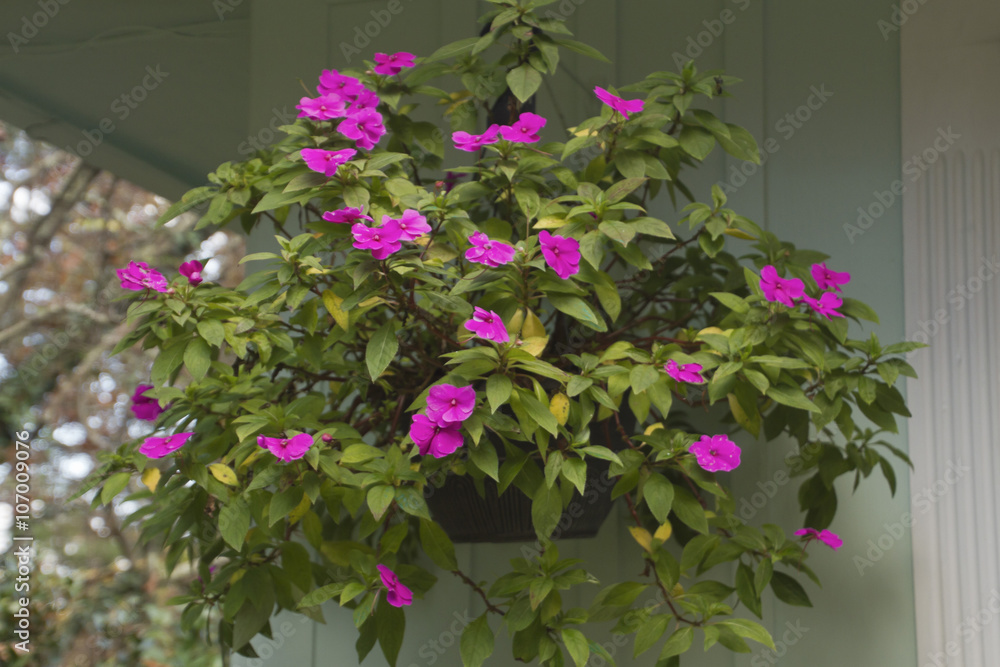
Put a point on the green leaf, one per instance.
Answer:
(390, 626)
(212, 331)
(579, 310)
(234, 522)
(546, 508)
(652, 227)
(477, 642)
(697, 141)
(650, 632)
(523, 81)
(498, 388)
(453, 49)
(793, 397)
(484, 455)
(749, 629)
(745, 589)
(575, 470)
(689, 510)
(283, 503)
(188, 201)
(577, 645)
(379, 499)
(732, 302)
(659, 495)
(581, 48)
(115, 485)
(197, 358)
(170, 358)
(248, 622)
(538, 412)
(740, 144)
(788, 590)
(320, 595)
(437, 545)
(381, 350)
(617, 231)
(642, 377)
(678, 643)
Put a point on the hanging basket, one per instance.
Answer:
(468, 517)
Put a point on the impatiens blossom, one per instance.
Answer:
(137, 276)
(346, 87)
(622, 106)
(192, 271)
(392, 64)
(473, 142)
(684, 372)
(157, 447)
(412, 225)
(324, 107)
(364, 127)
(561, 253)
(525, 130)
(826, 305)
(287, 449)
(832, 540)
(827, 279)
(145, 407)
(783, 290)
(366, 99)
(448, 404)
(716, 452)
(326, 162)
(487, 324)
(382, 241)
(490, 253)
(434, 439)
(346, 215)
(398, 595)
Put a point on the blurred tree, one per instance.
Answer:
(98, 595)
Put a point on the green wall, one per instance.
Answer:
(820, 170)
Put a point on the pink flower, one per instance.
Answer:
(716, 452)
(473, 142)
(622, 106)
(287, 449)
(487, 324)
(366, 99)
(390, 65)
(332, 82)
(157, 448)
(346, 215)
(364, 127)
(826, 305)
(525, 130)
(192, 271)
(145, 407)
(448, 404)
(412, 225)
(324, 107)
(434, 439)
(137, 276)
(398, 595)
(561, 253)
(382, 241)
(783, 290)
(490, 253)
(326, 162)
(832, 540)
(827, 279)
(684, 373)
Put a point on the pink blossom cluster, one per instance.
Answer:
(439, 431)
(791, 291)
(523, 131)
(386, 238)
(137, 276)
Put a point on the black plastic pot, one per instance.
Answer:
(468, 517)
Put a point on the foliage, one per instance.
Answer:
(327, 340)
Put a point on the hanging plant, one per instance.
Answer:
(530, 323)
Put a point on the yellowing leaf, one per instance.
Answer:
(653, 427)
(333, 303)
(643, 537)
(664, 532)
(516, 322)
(677, 591)
(559, 407)
(300, 510)
(312, 271)
(533, 327)
(151, 477)
(549, 222)
(713, 330)
(534, 345)
(224, 474)
(421, 240)
(738, 233)
(248, 461)
(371, 301)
